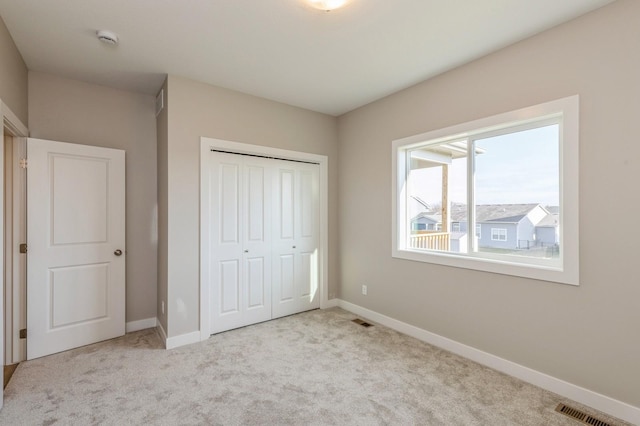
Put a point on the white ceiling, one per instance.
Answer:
(283, 50)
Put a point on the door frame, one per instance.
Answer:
(12, 126)
(15, 272)
(206, 145)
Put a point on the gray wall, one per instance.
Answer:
(586, 335)
(72, 111)
(195, 110)
(13, 76)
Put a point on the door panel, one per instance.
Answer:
(241, 235)
(75, 223)
(226, 293)
(306, 278)
(255, 207)
(79, 197)
(308, 227)
(229, 287)
(285, 206)
(87, 282)
(255, 283)
(295, 284)
(229, 186)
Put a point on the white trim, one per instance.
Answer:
(12, 122)
(182, 340)
(564, 270)
(16, 128)
(206, 144)
(142, 324)
(19, 303)
(584, 396)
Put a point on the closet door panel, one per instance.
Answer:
(226, 242)
(295, 280)
(307, 290)
(256, 208)
(229, 287)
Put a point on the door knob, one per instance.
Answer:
(246, 251)
(118, 252)
(294, 247)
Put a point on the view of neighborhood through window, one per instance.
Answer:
(513, 184)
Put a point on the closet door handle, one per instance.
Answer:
(246, 251)
(294, 247)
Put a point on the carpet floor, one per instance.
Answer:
(315, 368)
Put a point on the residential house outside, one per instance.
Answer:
(499, 227)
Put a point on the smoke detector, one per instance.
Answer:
(107, 37)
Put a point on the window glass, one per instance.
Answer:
(517, 183)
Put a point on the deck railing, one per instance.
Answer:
(430, 240)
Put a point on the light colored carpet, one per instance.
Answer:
(314, 368)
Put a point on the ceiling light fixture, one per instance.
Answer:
(327, 5)
(107, 37)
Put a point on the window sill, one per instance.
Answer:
(548, 272)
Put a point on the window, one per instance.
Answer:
(498, 234)
(517, 170)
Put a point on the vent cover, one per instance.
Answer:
(362, 323)
(580, 416)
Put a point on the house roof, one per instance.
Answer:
(509, 213)
(435, 217)
(553, 209)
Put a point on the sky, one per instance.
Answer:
(517, 168)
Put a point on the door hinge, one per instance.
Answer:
(23, 163)
(23, 248)
(23, 333)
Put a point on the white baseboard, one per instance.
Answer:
(183, 339)
(584, 396)
(142, 324)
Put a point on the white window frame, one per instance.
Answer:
(455, 227)
(478, 231)
(566, 269)
(500, 232)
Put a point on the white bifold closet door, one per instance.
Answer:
(295, 238)
(263, 239)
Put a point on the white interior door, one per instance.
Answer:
(76, 241)
(295, 285)
(240, 239)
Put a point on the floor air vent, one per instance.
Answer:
(580, 416)
(362, 323)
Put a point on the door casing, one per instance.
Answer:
(11, 125)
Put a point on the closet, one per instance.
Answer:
(263, 239)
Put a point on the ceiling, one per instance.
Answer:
(284, 50)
